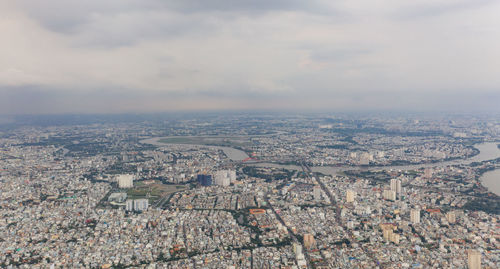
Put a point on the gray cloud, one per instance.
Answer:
(67, 16)
(437, 8)
(130, 55)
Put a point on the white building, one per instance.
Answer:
(129, 205)
(125, 181)
(389, 195)
(451, 217)
(141, 204)
(474, 259)
(317, 193)
(415, 215)
(225, 177)
(350, 196)
(137, 205)
(396, 185)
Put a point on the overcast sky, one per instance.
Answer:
(111, 56)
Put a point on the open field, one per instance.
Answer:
(153, 190)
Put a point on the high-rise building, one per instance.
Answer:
(232, 175)
(451, 217)
(309, 241)
(396, 185)
(129, 205)
(415, 215)
(137, 204)
(387, 234)
(141, 204)
(350, 195)
(225, 177)
(204, 180)
(297, 248)
(389, 195)
(125, 181)
(395, 238)
(317, 193)
(474, 258)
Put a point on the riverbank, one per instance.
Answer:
(232, 153)
(487, 151)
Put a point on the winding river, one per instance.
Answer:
(491, 180)
(231, 153)
(487, 151)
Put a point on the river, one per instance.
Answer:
(491, 181)
(231, 153)
(487, 151)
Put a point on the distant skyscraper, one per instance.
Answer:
(232, 175)
(415, 215)
(137, 204)
(224, 177)
(204, 180)
(389, 195)
(389, 235)
(309, 241)
(350, 195)
(451, 217)
(474, 258)
(141, 204)
(129, 205)
(317, 193)
(396, 185)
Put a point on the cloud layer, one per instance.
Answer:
(68, 56)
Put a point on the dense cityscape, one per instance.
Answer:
(250, 190)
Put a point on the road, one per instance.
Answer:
(309, 173)
(292, 235)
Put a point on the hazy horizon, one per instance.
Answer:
(131, 56)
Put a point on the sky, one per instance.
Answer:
(122, 56)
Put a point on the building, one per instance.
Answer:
(415, 215)
(204, 180)
(309, 241)
(129, 205)
(388, 233)
(117, 197)
(232, 175)
(317, 193)
(395, 238)
(141, 204)
(396, 185)
(389, 195)
(365, 158)
(137, 205)
(225, 177)
(350, 195)
(474, 258)
(451, 217)
(125, 181)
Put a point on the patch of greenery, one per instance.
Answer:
(488, 205)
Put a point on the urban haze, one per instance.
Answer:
(249, 134)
